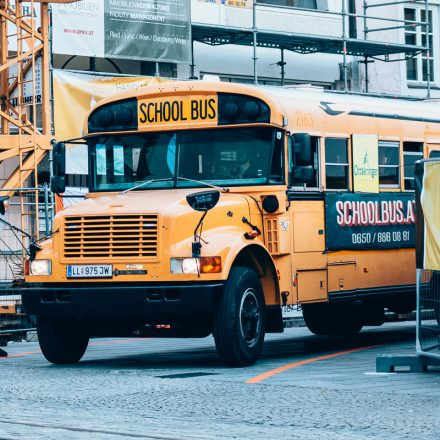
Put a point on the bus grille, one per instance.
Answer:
(113, 236)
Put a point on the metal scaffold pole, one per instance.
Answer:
(364, 5)
(283, 67)
(428, 51)
(344, 48)
(254, 32)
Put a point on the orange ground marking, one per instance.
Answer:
(278, 370)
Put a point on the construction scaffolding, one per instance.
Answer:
(348, 44)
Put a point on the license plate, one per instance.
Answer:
(90, 271)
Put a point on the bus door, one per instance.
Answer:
(309, 269)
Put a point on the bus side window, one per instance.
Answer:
(336, 163)
(434, 154)
(315, 183)
(412, 151)
(389, 162)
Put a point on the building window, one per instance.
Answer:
(389, 162)
(417, 67)
(412, 151)
(336, 163)
(320, 5)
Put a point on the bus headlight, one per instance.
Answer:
(196, 265)
(41, 267)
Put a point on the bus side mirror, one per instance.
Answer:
(203, 200)
(59, 159)
(58, 182)
(3, 204)
(303, 174)
(302, 148)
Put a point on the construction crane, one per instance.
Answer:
(25, 138)
(25, 121)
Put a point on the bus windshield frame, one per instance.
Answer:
(242, 156)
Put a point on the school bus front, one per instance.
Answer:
(167, 235)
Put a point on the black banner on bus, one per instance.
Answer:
(369, 221)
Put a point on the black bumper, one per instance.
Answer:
(145, 301)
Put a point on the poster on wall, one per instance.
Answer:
(365, 163)
(135, 29)
(27, 11)
(369, 221)
(29, 93)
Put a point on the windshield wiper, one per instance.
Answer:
(168, 179)
(146, 183)
(222, 188)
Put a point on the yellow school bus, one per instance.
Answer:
(214, 207)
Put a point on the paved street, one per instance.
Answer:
(303, 387)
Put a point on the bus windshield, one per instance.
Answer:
(224, 157)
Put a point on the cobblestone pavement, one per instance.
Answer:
(178, 389)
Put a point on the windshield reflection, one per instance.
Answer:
(242, 156)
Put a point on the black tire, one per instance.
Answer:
(62, 340)
(240, 320)
(333, 319)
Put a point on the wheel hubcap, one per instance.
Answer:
(250, 318)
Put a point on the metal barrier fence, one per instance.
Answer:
(22, 214)
(428, 313)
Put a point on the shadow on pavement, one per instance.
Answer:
(200, 353)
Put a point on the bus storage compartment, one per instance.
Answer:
(312, 284)
(308, 224)
(341, 275)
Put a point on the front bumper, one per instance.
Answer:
(129, 300)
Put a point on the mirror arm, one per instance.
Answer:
(196, 244)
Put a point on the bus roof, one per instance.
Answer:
(307, 108)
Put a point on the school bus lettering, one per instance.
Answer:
(362, 213)
(304, 120)
(370, 221)
(162, 111)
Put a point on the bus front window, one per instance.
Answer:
(226, 157)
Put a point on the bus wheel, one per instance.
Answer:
(62, 340)
(239, 321)
(333, 319)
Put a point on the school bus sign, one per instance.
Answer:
(194, 109)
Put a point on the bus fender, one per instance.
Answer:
(256, 257)
(236, 250)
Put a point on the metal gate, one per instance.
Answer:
(427, 178)
(34, 216)
(428, 313)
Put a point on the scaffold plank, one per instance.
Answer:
(296, 42)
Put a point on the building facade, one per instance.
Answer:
(395, 24)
